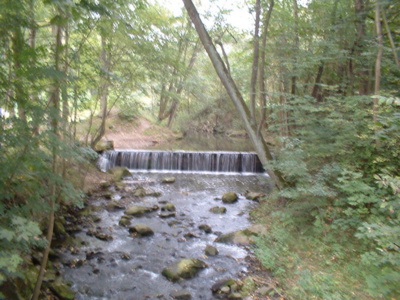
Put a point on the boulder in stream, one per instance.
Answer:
(168, 180)
(254, 196)
(114, 205)
(138, 210)
(119, 173)
(230, 197)
(143, 192)
(185, 268)
(242, 237)
(168, 207)
(206, 228)
(223, 286)
(141, 230)
(211, 250)
(218, 210)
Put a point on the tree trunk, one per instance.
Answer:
(254, 69)
(296, 45)
(359, 44)
(389, 34)
(17, 48)
(105, 59)
(262, 93)
(378, 61)
(259, 144)
(54, 116)
(316, 92)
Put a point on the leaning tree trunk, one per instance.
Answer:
(259, 143)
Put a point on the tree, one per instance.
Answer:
(235, 95)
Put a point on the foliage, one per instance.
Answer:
(343, 192)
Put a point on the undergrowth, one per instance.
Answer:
(334, 230)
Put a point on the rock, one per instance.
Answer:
(141, 230)
(185, 268)
(114, 205)
(211, 250)
(230, 197)
(62, 290)
(222, 285)
(265, 290)
(104, 146)
(167, 214)
(174, 223)
(206, 228)
(125, 256)
(236, 296)
(168, 180)
(100, 235)
(218, 210)
(168, 207)
(243, 237)
(190, 235)
(142, 192)
(93, 254)
(124, 222)
(107, 194)
(181, 295)
(253, 196)
(59, 228)
(119, 173)
(137, 210)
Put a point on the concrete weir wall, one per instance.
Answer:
(198, 161)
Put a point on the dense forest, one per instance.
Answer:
(315, 86)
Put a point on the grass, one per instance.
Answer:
(308, 264)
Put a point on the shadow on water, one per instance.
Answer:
(129, 267)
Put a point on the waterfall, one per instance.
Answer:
(196, 161)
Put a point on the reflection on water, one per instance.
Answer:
(199, 142)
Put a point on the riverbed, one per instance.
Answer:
(129, 267)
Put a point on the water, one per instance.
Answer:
(108, 276)
(199, 161)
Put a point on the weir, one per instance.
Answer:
(196, 161)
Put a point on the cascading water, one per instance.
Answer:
(237, 162)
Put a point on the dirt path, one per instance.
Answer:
(140, 134)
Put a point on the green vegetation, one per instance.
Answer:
(334, 231)
(321, 81)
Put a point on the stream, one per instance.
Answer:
(129, 267)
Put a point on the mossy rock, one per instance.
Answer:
(168, 207)
(119, 173)
(141, 230)
(137, 210)
(241, 237)
(62, 290)
(168, 180)
(104, 146)
(223, 285)
(230, 197)
(185, 268)
(218, 210)
(142, 192)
